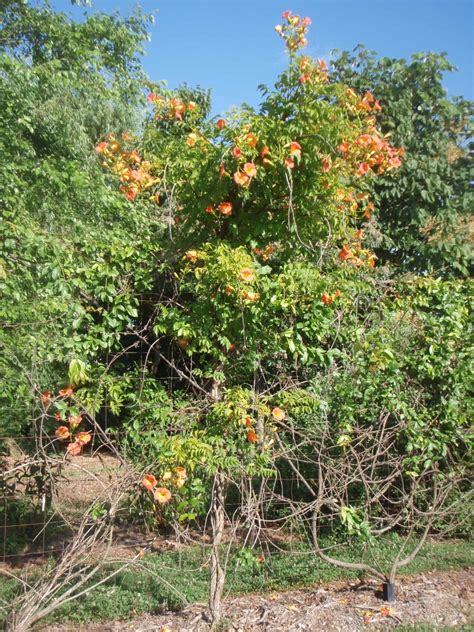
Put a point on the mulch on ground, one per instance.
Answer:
(439, 599)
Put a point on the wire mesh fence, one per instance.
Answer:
(45, 493)
(85, 480)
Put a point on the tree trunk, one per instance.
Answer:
(217, 572)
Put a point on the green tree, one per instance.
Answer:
(68, 242)
(231, 254)
(424, 215)
(259, 206)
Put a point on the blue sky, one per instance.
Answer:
(230, 46)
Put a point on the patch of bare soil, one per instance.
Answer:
(82, 481)
(439, 599)
(85, 478)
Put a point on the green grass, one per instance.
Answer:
(169, 580)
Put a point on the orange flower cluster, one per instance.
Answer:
(247, 274)
(278, 414)
(162, 495)
(266, 252)
(224, 208)
(327, 299)
(250, 297)
(192, 139)
(244, 177)
(356, 254)
(250, 139)
(313, 71)
(371, 153)
(252, 436)
(368, 103)
(67, 433)
(293, 31)
(245, 151)
(67, 391)
(134, 173)
(173, 109)
(294, 152)
(248, 421)
(45, 398)
(191, 255)
(326, 163)
(295, 149)
(349, 201)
